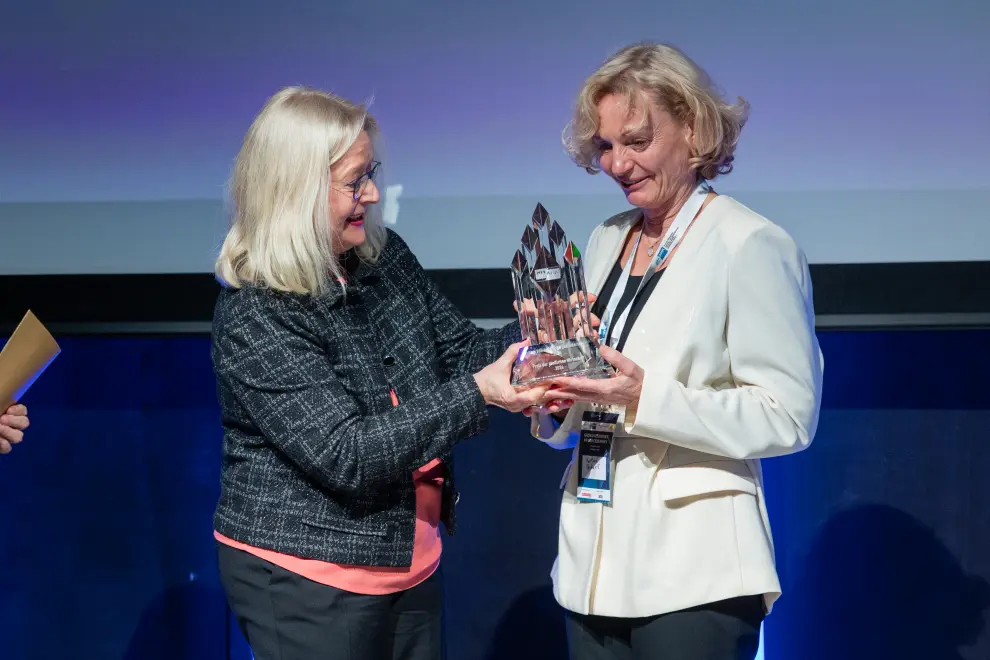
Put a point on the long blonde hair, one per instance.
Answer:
(280, 232)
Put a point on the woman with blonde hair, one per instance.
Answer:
(345, 380)
(706, 314)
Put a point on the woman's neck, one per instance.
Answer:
(657, 221)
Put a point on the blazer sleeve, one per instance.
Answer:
(461, 346)
(771, 407)
(278, 371)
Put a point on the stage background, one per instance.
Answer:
(882, 526)
(867, 142)
(119, 120)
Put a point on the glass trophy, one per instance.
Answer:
(551, 300)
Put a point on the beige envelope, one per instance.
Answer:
(26, 355)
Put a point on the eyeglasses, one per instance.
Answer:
(357, 186)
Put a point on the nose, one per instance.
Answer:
(619, 165)
(370, 194)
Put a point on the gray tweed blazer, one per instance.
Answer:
(317, 462)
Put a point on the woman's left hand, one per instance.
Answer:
(622, 389)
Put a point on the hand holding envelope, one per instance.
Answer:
(25, 356)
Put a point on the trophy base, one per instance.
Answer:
(568, 357)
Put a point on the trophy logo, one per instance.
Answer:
(552, 303)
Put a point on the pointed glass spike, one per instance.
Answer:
(556, 239)
(572, 255)
(540, 216)
(530, 238)
(556, 233)
(519, 262)
(544, 258)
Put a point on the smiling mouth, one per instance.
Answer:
(626, 185)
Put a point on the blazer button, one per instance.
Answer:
(388, 360)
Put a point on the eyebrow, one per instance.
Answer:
(643, 130)
(355, 172)
(627, 132)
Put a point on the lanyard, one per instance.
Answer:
(681, 222)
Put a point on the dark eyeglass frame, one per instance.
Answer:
(357, 186)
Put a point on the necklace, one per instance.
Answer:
(650, 250)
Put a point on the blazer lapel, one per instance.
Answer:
(665, 309)
(612, 240)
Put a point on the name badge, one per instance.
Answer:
(603, 326)
(594, 456)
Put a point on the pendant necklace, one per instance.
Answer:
(650, 250)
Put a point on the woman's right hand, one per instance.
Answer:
(13, 421)
(495, 384)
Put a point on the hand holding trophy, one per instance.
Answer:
(553, 306)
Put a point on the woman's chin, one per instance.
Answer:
(637, 198)
(353, 236)
(641, 195)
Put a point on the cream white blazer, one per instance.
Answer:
(733, 374)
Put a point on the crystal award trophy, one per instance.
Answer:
(551, 300)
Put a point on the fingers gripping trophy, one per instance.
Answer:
(552, 302)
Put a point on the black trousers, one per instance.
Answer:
(285, 616)
(726, 630)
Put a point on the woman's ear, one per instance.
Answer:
(689, 136)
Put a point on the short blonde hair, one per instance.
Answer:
(670, 78)
(280, 235)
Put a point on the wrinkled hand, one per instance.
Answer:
(494, 381)
(621, 389)
(12, 425)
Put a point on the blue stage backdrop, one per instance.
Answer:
(882, 527)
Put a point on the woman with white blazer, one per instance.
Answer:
(706, 314)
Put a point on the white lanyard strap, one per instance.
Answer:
(681, 222)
